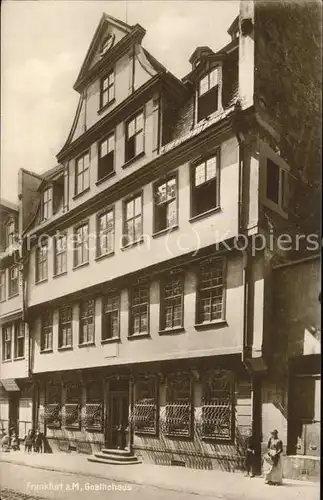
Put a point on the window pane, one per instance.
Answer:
(130, 209)
(131, 128)
(139, 143)
(211, 168)
(104, 148)
(204, 84)
(172, 214)
(111, 143)
(138, 205)
(214, 77)
(272, 181)
(199, 174)
(139, 122)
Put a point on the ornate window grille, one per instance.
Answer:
(179, 418)
(144, 414)
(217, 409)
(72, 407)
(52, 408)
(92, 415)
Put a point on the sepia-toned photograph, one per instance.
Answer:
(160, 249)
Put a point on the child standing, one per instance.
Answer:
(29, 440)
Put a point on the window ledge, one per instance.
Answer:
(19, 358)
(2, 300)
(205, 214)
(75, 268)
(89, 428)
(6, 360)
(59, 274)
(211, 324)
(75, 427)
(65, 348)
(165, 231)
(133, 244)
(45, 351)
(104, 256)
(113, 340)
(139, 336)
(106, 106)
(13, 296)
(132, 160)
(105, 178)
(87, 344)
(169, 331)
(78, 195)
(41, 281)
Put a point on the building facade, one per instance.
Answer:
(149, 309)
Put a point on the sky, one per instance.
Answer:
(43, 45)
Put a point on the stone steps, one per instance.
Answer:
(114, 457)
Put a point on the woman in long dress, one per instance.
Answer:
(272, 464)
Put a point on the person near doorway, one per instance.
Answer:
(250, 456)
(272, 464)
(29, 441)
(38, 441)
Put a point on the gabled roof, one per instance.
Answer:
(126, 28)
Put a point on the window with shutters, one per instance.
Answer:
(172, 301)
(179, 416)
(165, 197)
(132, 220)
(139, 310)
(46, 331)
(82, 173)
(107, 90)
(134, 136)
(65, 335)
(60, 257)
(217, 417)
(208, 99)
(92, 418)
(144, 416)
(205, 186)
(7, 342)
(13, 281)
(87, 316)
(42, 262)
(19, 340)
(210, 296)
(81, 245)
(105, 236)
(2, 285)
(106, 157)
(110, 316)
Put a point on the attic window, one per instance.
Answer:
(107, 44)
(208, 94)
(47, 203)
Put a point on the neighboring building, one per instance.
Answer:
(15, 384)
(150, 327)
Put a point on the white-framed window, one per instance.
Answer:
(165, 204)
(65, 335)
(7, 342)
(82, 173)
(107, 89)
(47, 203)
(60, 258)
(134, 136)
(133, 220)
(210, 293)
(110, 316)
(208, 93)
(172, 301)
(139, 311)
(205, 192)
(81, 245)
(106, 156)
(19, 340)
(2, 285)
(46, 343)
(42, 262)
(105, 240)
(87, 316)
(13, 281)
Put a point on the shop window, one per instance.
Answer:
(144, 416)
(179, 416)
(217, 409)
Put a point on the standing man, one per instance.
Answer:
(250, 457)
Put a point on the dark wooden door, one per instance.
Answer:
(119, 415)
(14, 411)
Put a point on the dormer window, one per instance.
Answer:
(208, 94)
(47, 203)
(107, 90)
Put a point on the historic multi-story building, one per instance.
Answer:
(150, 310)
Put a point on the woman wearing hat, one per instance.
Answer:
(273, 467)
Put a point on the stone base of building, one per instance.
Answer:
(302, 467)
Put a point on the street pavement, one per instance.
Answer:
(160, 481)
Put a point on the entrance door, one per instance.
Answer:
(119, 413)
(14, 411)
